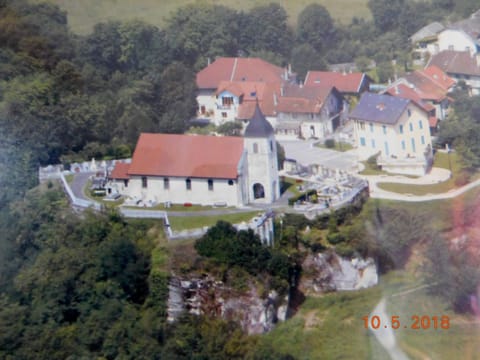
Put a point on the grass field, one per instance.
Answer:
(192, 222)
(83, 15)
(331, 326)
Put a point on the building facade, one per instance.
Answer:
(397, 130)
(204, 170)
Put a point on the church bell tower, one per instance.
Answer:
(261, 148)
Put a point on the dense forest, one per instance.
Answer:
(85, 286)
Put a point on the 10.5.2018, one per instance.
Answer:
(415, 322)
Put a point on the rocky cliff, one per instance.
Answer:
(208, 296)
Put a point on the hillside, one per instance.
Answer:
(83, 15)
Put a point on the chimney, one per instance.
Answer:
(208, 61)
(285, 74)
(289, 69)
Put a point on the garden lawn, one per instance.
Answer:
(178, 223)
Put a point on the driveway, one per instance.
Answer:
(306, 153)
(78, 184)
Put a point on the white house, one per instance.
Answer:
(425, 40)
(234, 70)
(308, 112)
(205, 170)
(397, 129)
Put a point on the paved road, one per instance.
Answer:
(78, 184)
(305, 152)
(435, 176)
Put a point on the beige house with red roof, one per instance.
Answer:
(308, 112)
(236, 100)
(354, 83)
(431, 85)
(205, 170)
(252, 70)
(461, 66)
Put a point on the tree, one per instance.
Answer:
(304, 58)
(315, 27)
(200, 31)
(385, 13)
(230, 128)
(265, 28)
(178, 102)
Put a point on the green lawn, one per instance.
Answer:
(83, 15)
(331, 326)
(428, 342)
(289, 184)
(178, 223)
(328, 327)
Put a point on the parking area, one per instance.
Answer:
(306, 153)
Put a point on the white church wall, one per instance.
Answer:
(177, 192)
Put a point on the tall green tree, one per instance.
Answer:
(315, 27)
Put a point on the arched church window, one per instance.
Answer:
(258, 191)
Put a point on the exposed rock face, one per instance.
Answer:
(207, 296)
(330, 272)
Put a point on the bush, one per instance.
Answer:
(317, 248)
(344, 250)
(329, 143)
(301, 197)
(372, 161)
(335, 238)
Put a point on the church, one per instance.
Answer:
(204, 170)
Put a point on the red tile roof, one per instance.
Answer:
(250, 92)
(187, 156)
(406, 92)
(456, 62)
(120, 171)
(344, 82)
(238, 69)
(425, 87)
(439, 76)
(305, 99)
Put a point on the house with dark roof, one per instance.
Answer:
(461, 66)
(408, 92)
(205, 170)
(395, 128)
